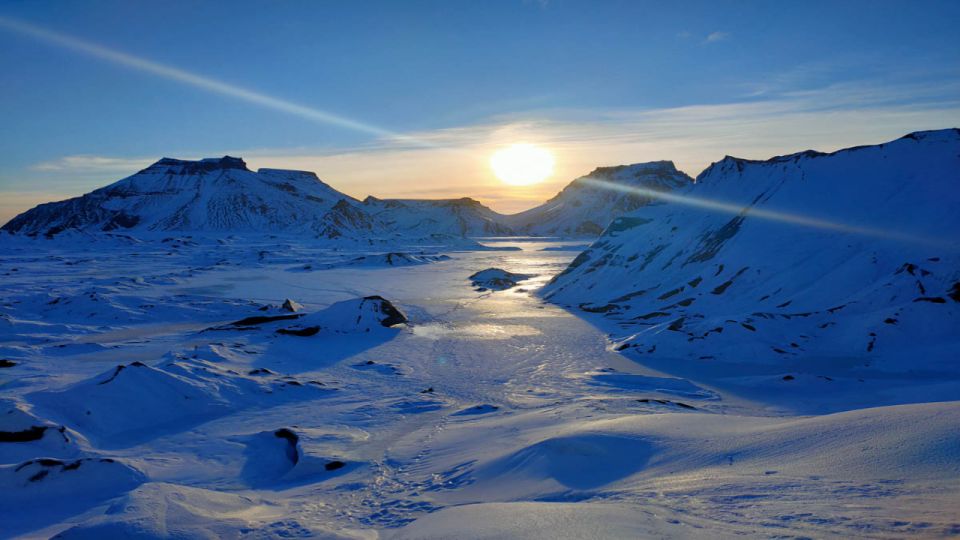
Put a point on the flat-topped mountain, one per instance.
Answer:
(206, 195)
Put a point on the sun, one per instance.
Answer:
(522, 164)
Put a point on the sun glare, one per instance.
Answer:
(522, 164)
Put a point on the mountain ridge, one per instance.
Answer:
(224, 195)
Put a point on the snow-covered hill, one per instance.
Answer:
(852, 256)
(583, 210)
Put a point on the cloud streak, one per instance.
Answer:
(199, 81)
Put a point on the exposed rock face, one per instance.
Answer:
(584, 208)
(391, 316)
(843, 255)
(291, 305)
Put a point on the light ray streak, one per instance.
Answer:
(201, 82)
(774, 215)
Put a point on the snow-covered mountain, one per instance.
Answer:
(853, 254)
(223, 195)
(206, 195)
(460, 217)
(582, 209)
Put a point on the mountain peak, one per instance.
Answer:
(664, 166)
(184, 166)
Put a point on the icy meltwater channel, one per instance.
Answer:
(490, 414)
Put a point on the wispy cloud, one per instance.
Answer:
(92, 164)
(714, 37)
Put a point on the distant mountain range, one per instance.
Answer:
(223, 195)
(790, 261)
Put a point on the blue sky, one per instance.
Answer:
(598, 82)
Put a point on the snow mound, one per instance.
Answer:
(358, 315)
(47, 479)
(577, 462)
(496, 279)
(23, 435)
(135, 402)
(284, 456)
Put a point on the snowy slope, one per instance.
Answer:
(851, 256)
(532, 488)
(584, 210)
